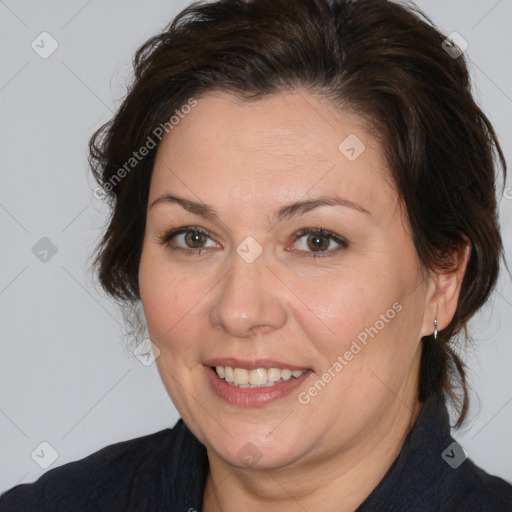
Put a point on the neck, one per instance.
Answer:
(340, 482)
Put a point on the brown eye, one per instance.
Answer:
(189, 240)
(194, 239)
(318, 242)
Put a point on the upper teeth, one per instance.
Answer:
(259, 377)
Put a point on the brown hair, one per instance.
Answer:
(382, 60)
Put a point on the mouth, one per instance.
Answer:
(253, 383)
(257, 377)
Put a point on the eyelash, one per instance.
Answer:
(166, 238)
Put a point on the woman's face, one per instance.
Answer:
(251, 289)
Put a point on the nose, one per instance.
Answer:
(248, 301)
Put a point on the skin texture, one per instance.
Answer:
(247, 160)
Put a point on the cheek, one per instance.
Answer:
(169, 311)
(369, 314)
(168, 298)
(342, 304)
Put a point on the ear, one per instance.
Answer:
(443, 291)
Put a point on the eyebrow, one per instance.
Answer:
(290, 210)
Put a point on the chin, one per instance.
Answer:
(253, 446)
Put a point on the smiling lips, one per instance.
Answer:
(241, 393)
(253, 382)
(256, 378)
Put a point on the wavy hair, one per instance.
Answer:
(383, 60)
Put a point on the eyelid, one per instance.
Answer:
(321, 231)
(166, 238)
(171, 233)
(342, 242)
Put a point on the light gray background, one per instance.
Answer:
(65, 375)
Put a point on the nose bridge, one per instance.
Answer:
(247, 300)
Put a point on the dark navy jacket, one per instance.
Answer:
(166, 471)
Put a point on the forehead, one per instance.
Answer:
(280, 147)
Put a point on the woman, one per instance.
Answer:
(304, 204)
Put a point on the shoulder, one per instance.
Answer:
(105, 480)
(474, 490)
(432, 472)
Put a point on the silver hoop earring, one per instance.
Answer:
(435, 328)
